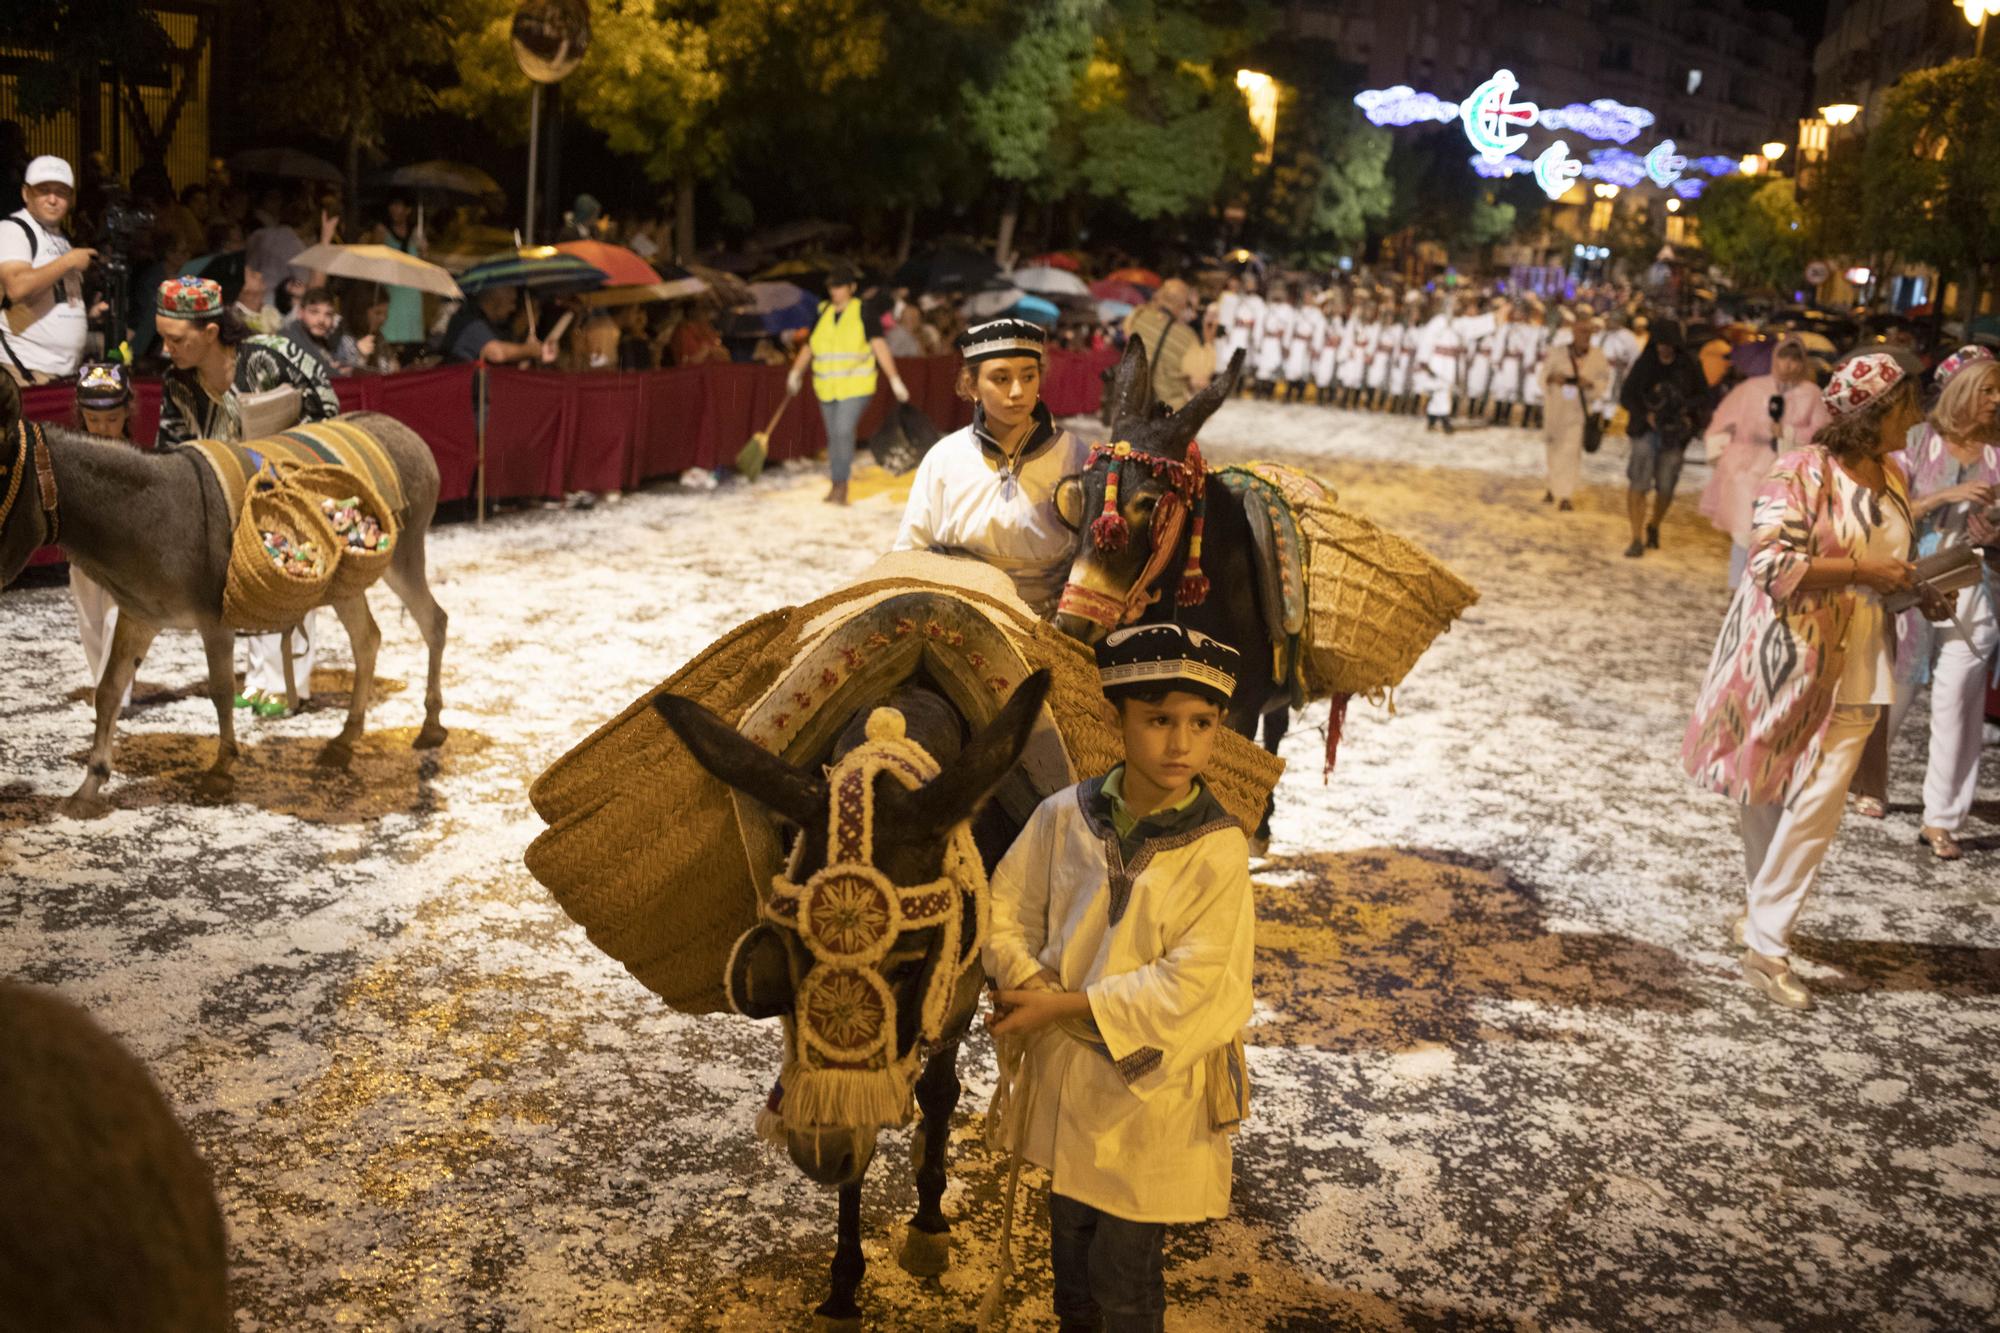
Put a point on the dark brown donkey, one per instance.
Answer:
(910, 832)
(154, 529)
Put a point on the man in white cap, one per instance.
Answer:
(41, 275)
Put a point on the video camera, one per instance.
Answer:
(125, 224)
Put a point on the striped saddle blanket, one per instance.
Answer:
(337, 442)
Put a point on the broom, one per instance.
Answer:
(750, 458)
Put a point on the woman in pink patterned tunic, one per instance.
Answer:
(1804, 663)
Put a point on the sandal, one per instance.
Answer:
(1942, 844)
(1870, 807)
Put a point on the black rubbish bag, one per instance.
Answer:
(906, 435)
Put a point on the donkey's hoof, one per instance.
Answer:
(213, 786)
(826, 1323)
(78, 806)
(337, 754)
(430, 737)
(925, 1255)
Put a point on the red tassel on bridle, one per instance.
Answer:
(1108, 530)
(1194, 483)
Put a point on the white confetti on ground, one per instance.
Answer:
(1506, 1075)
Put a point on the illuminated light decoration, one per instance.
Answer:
(1501, 170)
(1494, 122)
(1840, 113)
(1555, 169)
(1713, 166)
(1689, 188)
(1404, 105)
(1858, 276)
(1600, 119)
(1663, 165)
(1617, 166)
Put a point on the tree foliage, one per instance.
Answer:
(1329, 173)
(1752, 226)
(1932, 168)
(79, 36)
(342, 80)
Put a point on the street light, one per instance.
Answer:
(1751, 165)
(1976, 13)
(1840, 113)
(1260, 91)
(1605, 190)
(1775, 150)
(1673, 205)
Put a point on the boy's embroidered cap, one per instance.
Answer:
(1002, 337)
(1166, 657)
(102, 386)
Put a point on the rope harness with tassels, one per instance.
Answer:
(1187, 483)
(32, 451)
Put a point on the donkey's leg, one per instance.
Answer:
(838, 1313)
(129, 642)
(406, 578)
(219, 642)
(927, 1244)
(364, 637)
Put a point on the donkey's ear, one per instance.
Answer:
(1131, 389)
(742, 763)
(931, 810)
(1198, 409)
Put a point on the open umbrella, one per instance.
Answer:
(788, 234)
(673, 289)
(1110, 310)
(224, 268)
(1816, 342)
(1049, 282)
(445, 178)
(769, 296)
(621, 267)
(728, 288)
(947, 268)
(1062, 259)
(289, 163)
(1145, 277)
(1036, 311)
(378, 263)
(1111, 289)
(543, 269)
(992, 302)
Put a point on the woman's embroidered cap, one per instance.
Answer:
(1969, 355)
(190, 298)
(103, 386)
(1861, 381)
(1169, 656)
(1002, 337)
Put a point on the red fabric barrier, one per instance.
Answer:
(1074, 384)
(548, 432)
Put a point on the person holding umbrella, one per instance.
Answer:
(847, 343)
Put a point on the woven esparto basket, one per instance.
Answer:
(355, 569)
(1375, 602)
(256, 594)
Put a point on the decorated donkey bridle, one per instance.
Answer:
(842, 1068)
(1187, 485)
(33, 450)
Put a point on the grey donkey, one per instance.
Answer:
(154, 529)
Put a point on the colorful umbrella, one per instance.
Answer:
(543, 269)
(1062, 259)
(769, 296)
(995, 301)
(1036, 311)
(1049, 282)
(1110, 310)
(673, 289)
(621, 267)
(1145, 277)
(380, 264)
(1111, 289)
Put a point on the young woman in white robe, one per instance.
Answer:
(1326, 357)
(989, 489)
(1388, 337)
(1274, 342)
(1246, 323)
(1357, 347)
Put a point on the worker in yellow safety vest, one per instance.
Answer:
(848, 342)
